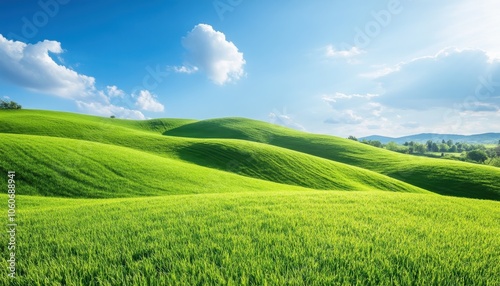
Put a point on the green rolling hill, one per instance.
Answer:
(61, 167)
(275, 154)
(73, 168)
(233, 201)
(65, 165)
(442, 177)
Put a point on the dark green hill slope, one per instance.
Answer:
(443, 177)
(80, 169)
(250, 159)
(274, 164)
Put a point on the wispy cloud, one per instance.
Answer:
(452, 76)
(339, 95)
(344, 117)
(185, 69)
(348, 54)
(472, 24)
(284, 119)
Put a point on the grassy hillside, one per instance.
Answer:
(274, 238)
(72, 168)
(443, 177)
(144, 204)
(286, 166)
(245, 158)
(47, 122)
(188, 140)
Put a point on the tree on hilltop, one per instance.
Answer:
(9, 105)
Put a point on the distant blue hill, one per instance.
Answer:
(486, 138)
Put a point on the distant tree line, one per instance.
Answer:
(477, 153)
(9, 105)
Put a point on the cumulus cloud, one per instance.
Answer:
(452, 91)
(349, 54)
(31, 66)
(362, 103)
(107, 110)
(114, 91)
(147, 101)
(345, 109)
(210, 52)
(453, 77)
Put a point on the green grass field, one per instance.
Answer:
(447, 154)
(234, 201)
(274, 238)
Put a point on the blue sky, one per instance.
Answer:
(391, 67)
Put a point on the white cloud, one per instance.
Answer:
(339, 96)
(452, 91)
(147, 101)
(332, 52)
(344, 117)
(210, 52)
(362, 103)
(185, 69)
(471, 24)
(463, 79)
(114, 91)
(352, 109)
(107, 110)
(378, 73)
(31, 66)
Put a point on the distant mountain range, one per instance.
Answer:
(486, 138)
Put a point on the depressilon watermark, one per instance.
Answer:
(11, 225)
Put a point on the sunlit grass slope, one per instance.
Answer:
(251, 159)
(80, 169)
(274, 238)
(443, 177)
(72, 168)
(166, 220)
(286, 166)
(55, 123)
